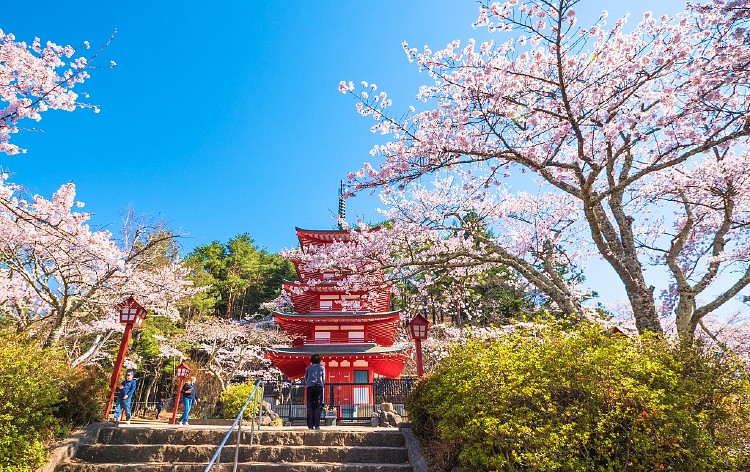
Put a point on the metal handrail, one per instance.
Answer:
(216, 459)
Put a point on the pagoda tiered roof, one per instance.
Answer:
(379, 328)
(306, 298)
(315, 237)
(352, 330)
(305, 274)
(385, 361)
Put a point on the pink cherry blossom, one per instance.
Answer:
(34, 79)
(58, 277)
(635, 138)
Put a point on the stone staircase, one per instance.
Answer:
(189, 449)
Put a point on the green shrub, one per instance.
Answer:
(554, 400)
(234, 397)
(31, 390)
(41, 396)
(85, 392)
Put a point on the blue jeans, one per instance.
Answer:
(187, 405)
(122, 405)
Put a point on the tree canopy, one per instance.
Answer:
(238, 275)
(636, 138)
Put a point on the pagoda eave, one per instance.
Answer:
(387, 362)
(377, 327)
(320, 288)
(342, 316)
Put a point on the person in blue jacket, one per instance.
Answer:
(189, 398)
(124, 396)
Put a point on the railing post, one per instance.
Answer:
(218, 461)
(252, 421)
(237, 449)
(216, 458)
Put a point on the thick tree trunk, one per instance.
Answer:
(58, 326)
(230, 302)
(616, 242)
(644, 309)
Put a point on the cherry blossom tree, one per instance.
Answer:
(636, 138)
(233, 348)
(438, 253)
(36, 78)
(59, 277)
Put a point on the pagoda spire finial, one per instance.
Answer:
(342, 206)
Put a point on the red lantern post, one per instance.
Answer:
(131, 314)
(418, 330)
(183, 372)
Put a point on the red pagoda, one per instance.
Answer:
(353, 331)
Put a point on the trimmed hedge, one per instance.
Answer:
(582, 400)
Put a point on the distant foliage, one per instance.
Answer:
(554, 400)
(237, 276)
(234, 397)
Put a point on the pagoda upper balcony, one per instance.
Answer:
(340, 328)
(331, 297)
(312, 238)
(332, 276)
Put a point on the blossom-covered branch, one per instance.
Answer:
(638, 131)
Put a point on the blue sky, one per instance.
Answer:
(224, 117)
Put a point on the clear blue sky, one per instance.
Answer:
(224, 117)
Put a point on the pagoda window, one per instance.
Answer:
(353, 327)
(361, 395)
(328, 275)
(326, 305)
(357, 335)
(361, 377)
(322, 335)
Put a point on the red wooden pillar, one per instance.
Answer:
(418, 330)
(131, 314)
(420, 363)
(118, 367)
(183, 371)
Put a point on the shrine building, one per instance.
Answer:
(353, 331)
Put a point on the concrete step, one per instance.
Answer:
(323, 437)
(243, 467)
(258, 453)
(187, 449)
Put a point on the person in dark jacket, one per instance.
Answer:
(189, 397)
(315, 375)
(159, 407)
(126, 389)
